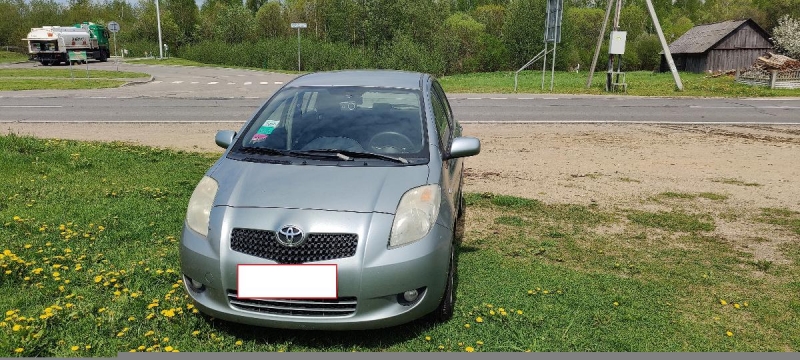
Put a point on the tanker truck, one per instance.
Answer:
(50, 45)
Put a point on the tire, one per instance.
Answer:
(460, 226)
(446, 306)
(103, 56)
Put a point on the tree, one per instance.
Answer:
(523, 30)
(254, 5)
(186, 16)
(235, 24)
(461, 42)
(271, 21)
(492, 16)
(787, 36)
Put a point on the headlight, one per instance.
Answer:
(200, 204)
(416, 214)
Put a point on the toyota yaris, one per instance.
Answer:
(336, 206)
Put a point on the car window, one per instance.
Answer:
(365, 119)
(442, 125)
(448, 110)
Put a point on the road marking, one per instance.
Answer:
(474, 98)
(30, 106)
(252, 97)
(124, 97)
(195, 82)
(248, 82)
(550, 98)
(231, 83)
(213, 83)
(157, 82)
(98, 97)
(499, 98)
(279, 83)
(264, 83)
(527, 98)
(177, 82)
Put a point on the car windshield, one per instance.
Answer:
(315, 120)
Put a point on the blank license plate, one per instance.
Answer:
(312, 281)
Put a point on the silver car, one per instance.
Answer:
(337, 206)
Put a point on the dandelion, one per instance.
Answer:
(238, 343)
(491, 312)
(466, 326)
(19, 350)
(519, 312)
(723, 302)
(149, 333)
(479, 342)
(166, 339)
(168, 313)
(530, 292)
(546, 292)
(27, 246)
(478, 319)
(745, 304)
(98, 279)
(469, 349)
(195, 333)
(736, 305)
(75, 348)
(141, 347)
(441, 347)
(168, 349)
(131, 318)
(616, 303)
(87, 347)
(729, 333)
(16, 327)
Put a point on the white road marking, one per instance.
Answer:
(213, 83)
(499, 98)
(98, 97)
(527, 98)
(30, 106)
(279, 83)
(124, 97)
(264, 83)
(550, 98)
(157, 82)
(474, 98)
(248, 82)
(231, 83)
(252, 97)
(177, 82)
(195, 82)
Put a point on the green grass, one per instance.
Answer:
(783, 217)
(688, 196)
(103, 221)
(64, 73)
(7, 57)
(640, 83)
(738, 182)
(185, 62)
(675, 221)
(61, 79)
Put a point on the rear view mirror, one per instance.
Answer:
(224, 138)
(464, 146)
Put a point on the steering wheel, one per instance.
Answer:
(390, 142)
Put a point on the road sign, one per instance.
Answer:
(299, 25)
(77, 55)
(113, 26)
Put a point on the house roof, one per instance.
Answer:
(703, 37)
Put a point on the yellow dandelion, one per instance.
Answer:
(466, 326)
(736, 305)
(519, 312)
(149, 333)
(441, 347)
(238, 343)
(546, 292)
(491, 312)
(140, 348)
(745, 304)
(616, 303)
(530, 292)
(469, 349)
(120, 334)
(479, 342)
(728, 333)
(9, 312)
(166, 339)
(27, 246)
(75, 348)
(100, 310)
(478, 319)
(19, 350)
(723, 302)
(131, 318)
(168, 313)
(87, 347)
(168, 349)
(427, 338)
(16, 327)
(98, 279)
(195, 333)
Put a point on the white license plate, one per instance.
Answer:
(311, 281)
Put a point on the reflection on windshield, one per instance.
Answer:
(383, 121)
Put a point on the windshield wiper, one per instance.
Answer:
(349, 154)
(291, 153)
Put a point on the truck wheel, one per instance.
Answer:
(103, 56)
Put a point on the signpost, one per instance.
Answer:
(114, 28)
(77, 56)
(298, 26)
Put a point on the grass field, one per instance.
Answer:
(640, 83)
(11, 57)
(184, 62)
(90, 268)
(39, 79)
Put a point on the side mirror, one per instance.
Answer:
(464, 146)
(224, 138)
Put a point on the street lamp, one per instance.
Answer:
(160, 46)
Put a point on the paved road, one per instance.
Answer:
(189, 94)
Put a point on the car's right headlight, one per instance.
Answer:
(199, 209)
(415, 216)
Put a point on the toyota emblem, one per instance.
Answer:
(291, 236)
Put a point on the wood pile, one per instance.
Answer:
(776, 62)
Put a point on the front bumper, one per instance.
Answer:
(374, 276)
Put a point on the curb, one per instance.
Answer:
(137, 82)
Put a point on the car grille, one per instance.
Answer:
(336, 307)
(318, 247)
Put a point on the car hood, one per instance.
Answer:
(335, 188)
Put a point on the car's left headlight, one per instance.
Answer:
(416, 214)
(199, 209)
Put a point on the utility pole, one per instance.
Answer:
(599, 44)
(617, 13)
(160, 44)
(665, 47)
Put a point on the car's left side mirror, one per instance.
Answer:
(464, 146)
(224, 138)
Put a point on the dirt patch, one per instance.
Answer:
(610, 166)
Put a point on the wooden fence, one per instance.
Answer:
(774, 79)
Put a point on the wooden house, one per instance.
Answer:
(718, 47)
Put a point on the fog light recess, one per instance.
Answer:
(193, 284)
(410, 297)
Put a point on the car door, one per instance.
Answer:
(445, 131)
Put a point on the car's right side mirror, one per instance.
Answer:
(224, 138)
(464, 146)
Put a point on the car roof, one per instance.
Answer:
(376, 78)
